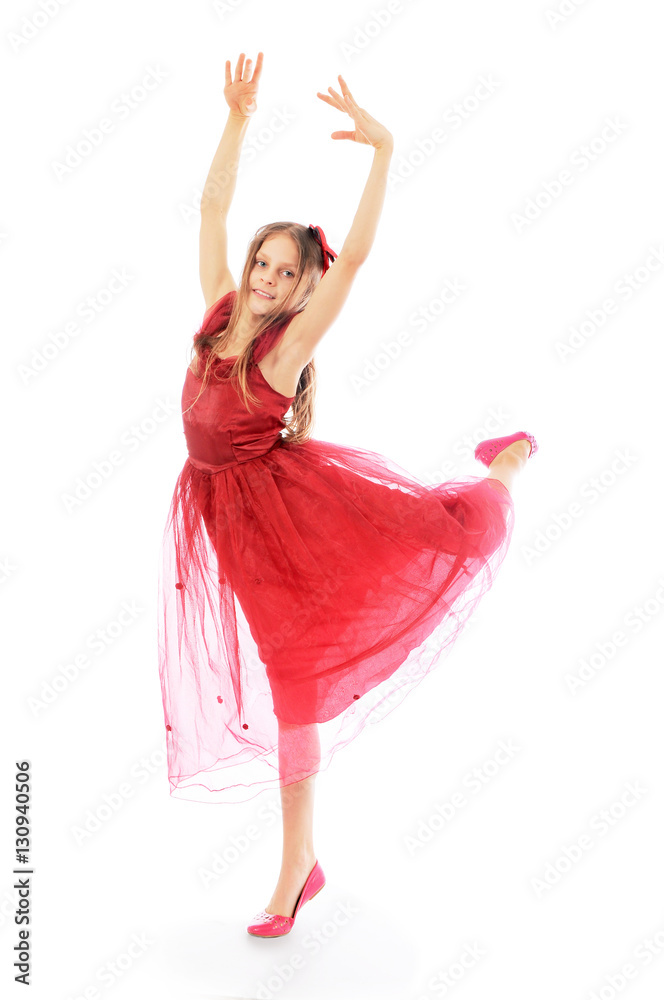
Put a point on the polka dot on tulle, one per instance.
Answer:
(179, 586)
(356, 696)
(168, 728)
(219, 698)
(258, 579)
(245, 726)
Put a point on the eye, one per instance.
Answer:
(285, 272)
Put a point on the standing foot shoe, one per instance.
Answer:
(486, 451)
(273, 924)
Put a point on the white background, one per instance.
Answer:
(568, 582)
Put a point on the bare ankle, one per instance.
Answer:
(301, 859)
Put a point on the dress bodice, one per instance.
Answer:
(219, 431)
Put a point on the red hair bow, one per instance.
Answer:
(329, 256)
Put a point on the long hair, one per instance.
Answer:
(213, 343)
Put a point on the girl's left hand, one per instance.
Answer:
(367, 130)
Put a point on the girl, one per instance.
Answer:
(306, 587)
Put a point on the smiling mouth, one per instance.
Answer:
(263, 295)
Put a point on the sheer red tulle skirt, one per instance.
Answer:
(302, 595)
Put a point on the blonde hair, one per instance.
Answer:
(309, 272)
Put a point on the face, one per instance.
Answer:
(274, 273)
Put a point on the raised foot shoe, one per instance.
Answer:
(487, 450)
(274, 924)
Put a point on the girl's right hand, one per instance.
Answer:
(240, 93)
(367, 130)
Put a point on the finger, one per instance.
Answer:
(259, 67)
(346, 91)
(228, 73)
(246, 72)
(329, 100)
(238, 68)
(352, 107)
(342, 103)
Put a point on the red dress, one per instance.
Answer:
(307, 583)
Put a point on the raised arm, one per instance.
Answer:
(368, 132)
(215, 275)
(307, 329)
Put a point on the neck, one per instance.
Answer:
(247, 324)
(245, 330)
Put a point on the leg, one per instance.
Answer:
(299, 748)
(509, 463)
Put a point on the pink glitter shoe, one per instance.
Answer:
(273, 924)
(487, 450)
